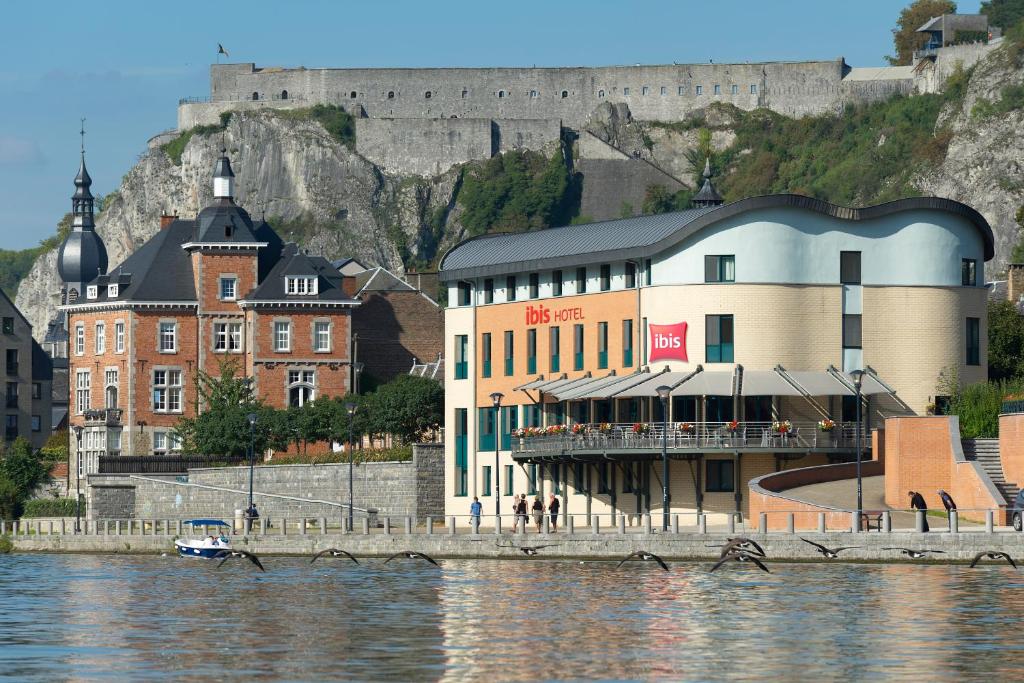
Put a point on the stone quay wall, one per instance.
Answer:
(395, 489)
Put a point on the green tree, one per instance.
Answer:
(658, 199)
(407, 408)
(905, 37)
(1005, 341)
(1003, 13)
(10, 499)
(700, 155)
(22, 467)
(1017, 255)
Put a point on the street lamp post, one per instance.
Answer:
(858, 378)
(350, 408)
(496, 399)
(252, 459)
(663, 393)
(78, 478)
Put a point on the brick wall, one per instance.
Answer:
(393, 328)
(1011, 447)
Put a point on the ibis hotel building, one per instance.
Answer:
(736, 337)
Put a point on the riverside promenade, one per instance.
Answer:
(609, 543)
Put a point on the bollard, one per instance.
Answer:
(647, 524)
(387, 526)
(408, 526)
(117, 527)
(675, 524)
(989, 522)
(63, 528)
(919, 522)
(302, 526)
(546, 524)
(520, 526)
(430, 526)
(263, 526)
(572, 525)
(3, 527)
(622, 524)
(177, 527)
(821, 522)
(954, 522)
(702, 523)
(106, 527)
(731, 524)
(284, 526)
(886, 521)
(451, 525)
(762, 523)
(14, 528)
(854, 523)
(323, 525)
(366, 526)
(92, 524)
(595, 524)
(475, 524)
(790, 523)
(497, 524)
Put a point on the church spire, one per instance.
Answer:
(707, 196)
(82, 256)
(82, 202)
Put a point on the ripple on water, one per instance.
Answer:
(89, 616)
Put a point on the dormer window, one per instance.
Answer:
(111, 291)
(228, 288)
(91, 292)
(300, 285)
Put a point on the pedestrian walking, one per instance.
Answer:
(538, 512)
(917, 503)
(553, 506)
(475, 508)
(521, 511)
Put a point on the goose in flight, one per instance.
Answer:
(829, 553)
(413, 555)
(226, 555)
(644, 556)
(334, 552)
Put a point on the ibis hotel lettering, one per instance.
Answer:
(668, 342)
(542, 315)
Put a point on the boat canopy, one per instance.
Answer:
(206, 522)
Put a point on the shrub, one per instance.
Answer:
(176, 147)
(396, 454)
(51, 507)
(10, 499)
(6, 545)
(339, 123)
(978, 406)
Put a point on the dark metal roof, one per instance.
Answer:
(644, 236)
(224, 221)
(160, 270)
(222, 168)
(82, 182)
(294, 262)
(81, 257)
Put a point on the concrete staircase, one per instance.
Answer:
(986, 452)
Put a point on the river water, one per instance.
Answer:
(82, 617)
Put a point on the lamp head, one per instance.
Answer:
(351, 408)
(252, 419)
(663, 392)
(858, 377)
(358, 366)
(496, 398)
(77, 429)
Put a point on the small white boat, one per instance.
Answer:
(205, 547)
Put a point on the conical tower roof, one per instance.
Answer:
(708, 195)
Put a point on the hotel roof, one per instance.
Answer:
(643, 236)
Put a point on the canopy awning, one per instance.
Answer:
(649, 387)
(819, 383)
(605, 388)
(537, 383)
(707, 383)
(572, 391)
(767, 383)
(870, 384)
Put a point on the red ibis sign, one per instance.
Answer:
(542, 315)
(668, 342)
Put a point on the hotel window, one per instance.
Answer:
(228, 288)
(461, 361)
(531, 480)
(301, 384)
(227, 337)
(577, 347)
(282, 336)
(168, 334)
(531, 415)
(509, 353)
(80, 339)
(581, 280)
(554, 339)
(461, 452)
(82, 388)
(735, 90)
(974, 341)
(321, 336)
(509, 488)
(630, 275)
(851, 331)
(463, 294)
(112, 291)
(509, 423)
(753, 88)
(489, 291)
(486, 481)
(485, 354)
(531, 351)
(534, 285)
(485, 430)
(159, 442)
(849, 267)
(510, 288)
(101, 338)
(627, 343)
(556, 283)
(167, 391)
(969, 272)
(719, 339)
(119, 337)
(606, 277)
(718, 89)
(720, 477)
(300, 285)
(8, 325)
(647, 272)
(699, 89)
(12, 394)
(720, 268)
(602, 345)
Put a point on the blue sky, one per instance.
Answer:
(123, 65)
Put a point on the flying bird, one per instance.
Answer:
(993, 555)
(412, 555)
(830, 553)
(744, 544)
(741, 556)
(221, 50)
(226, 555)
(916, 554)
(644, 556)
(334, 552)
(528, 550)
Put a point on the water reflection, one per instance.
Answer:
(82, 617)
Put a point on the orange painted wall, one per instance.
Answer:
(1011, 447)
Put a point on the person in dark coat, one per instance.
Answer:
(917, 503)
(949, 504)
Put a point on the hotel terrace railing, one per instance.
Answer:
(693, 436)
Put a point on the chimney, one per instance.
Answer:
(166, 219)
(1015, 282)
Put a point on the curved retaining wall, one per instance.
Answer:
(767, 494)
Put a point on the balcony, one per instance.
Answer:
(109, 417)
(691, 437)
